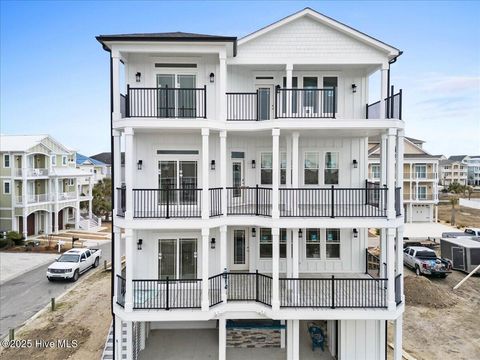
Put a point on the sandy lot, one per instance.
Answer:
(444, 329)
(86, 321)
(15, 264)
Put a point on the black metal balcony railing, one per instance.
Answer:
(215, 289)
(121, 286)
(305, 103)
(334, 202)
(167, 294)
(249, 201)
(333, 292)
(166, 102)
(215, 202)
(393, 107)
(372, 265)
(121, 201)
(167, 203)
(242, 106)
(249, 287)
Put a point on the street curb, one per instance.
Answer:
(47, 307)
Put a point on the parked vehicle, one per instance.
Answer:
(424, 261)
(468, 232)
(74, 262)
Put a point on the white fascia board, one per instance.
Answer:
(390, 50)
(164, 48)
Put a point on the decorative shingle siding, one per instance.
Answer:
(305, 39)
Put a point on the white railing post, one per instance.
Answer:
(275, 269)
(223, 171)
(275, 173)
(205, 256)
(205, 174)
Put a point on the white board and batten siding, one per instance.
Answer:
(362, 339)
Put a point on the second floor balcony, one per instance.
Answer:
(332, 202)
(31, 172)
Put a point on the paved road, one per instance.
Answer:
(25, 295)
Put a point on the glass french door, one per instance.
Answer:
(239, 253)
(176, 103)
(310, 99)
(237, 177)
(178, 174)
(177, 258)
(265, 102)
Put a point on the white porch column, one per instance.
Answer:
(399, 160)
(275, 172)
(223, 258)
(398, 346)
(24, 222)
(48, 228)
(129, 261)
(205, 255)
(55, 206)
(77, 214)
(391, 268)
(205, 174)
(296, 339)
(383, 160)
(289, 253)
(116, 87)
(222, 84)
(391, 173)
(288, 170)
(295, 167)
(118, 338)
(275, 268)
(129, 172)
(383, 90)
(295, 252)
(222, 339)
(223, 170)
(290, 340)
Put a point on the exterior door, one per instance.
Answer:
(265, 102)
(237, 177)
(167, 258)
(458, 258)
(239, 258)
(166, 98)
(188, 258)
(186, 101)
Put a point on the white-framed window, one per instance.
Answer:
(6, 160)
(312, 243)
(422, 193)
(7, 187)
(332, 241)
(421, 171)
(375, 171)
(53, 159)
(266, 243)
(266, 168)
(331, 168)
(311, 168)
(283, 168)
(64, 160)
(70, 182)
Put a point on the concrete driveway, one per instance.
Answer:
(426, 230)
(15, 264)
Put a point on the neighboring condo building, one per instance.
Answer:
(245, 202)
(420, 179)
(40, 186)
(98, 169)
(473, 172)
(454, 169)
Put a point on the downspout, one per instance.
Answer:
(390, 62)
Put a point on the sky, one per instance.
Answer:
(54, 75)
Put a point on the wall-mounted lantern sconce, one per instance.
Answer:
(212, 165)
(254, 164)
(354, 88)
(139, 244)
(355, 163)
(212, 78)
(139, 164)
(355, 233)
(254, 232)
(212, 243)
(300, 233)
(138, 76)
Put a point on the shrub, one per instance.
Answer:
(16, 237)
(6, 243)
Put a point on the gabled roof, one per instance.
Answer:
(391, 50)
(415, 141)
(457, 157)
(23, 143)
(82, 159)
(374, 152)
(106, 158)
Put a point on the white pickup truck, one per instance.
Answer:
(72, 263)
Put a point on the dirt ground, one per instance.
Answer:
(463, 216)
(85, 319)
(441, 329)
